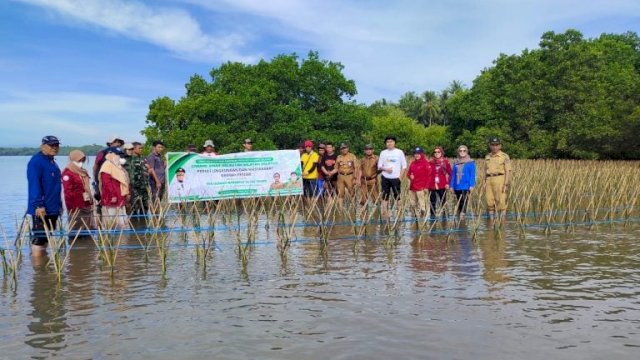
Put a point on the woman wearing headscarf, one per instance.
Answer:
(439, 180)
(114, 188)
(77, 192)
(463, 179)
(418, 174)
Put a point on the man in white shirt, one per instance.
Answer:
(392, 163)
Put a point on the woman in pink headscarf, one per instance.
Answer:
(77, 192)
(439, 180)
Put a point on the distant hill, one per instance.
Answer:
(88, 150)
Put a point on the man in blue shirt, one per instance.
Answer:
(45, 189)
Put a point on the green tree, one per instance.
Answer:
(572, 97)
(277, 103)
(409, 132)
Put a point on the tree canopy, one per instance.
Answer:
(277, 104)
(570, 98)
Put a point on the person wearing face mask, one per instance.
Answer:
(113, 144)
(76, 184)
(114, 188)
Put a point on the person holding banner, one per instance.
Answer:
(209, 149)
(247, 145)
(309, 160)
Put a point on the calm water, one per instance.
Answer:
(561, 296)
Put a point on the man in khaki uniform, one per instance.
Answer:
(498, 179)
(369, 176)
(347, 164)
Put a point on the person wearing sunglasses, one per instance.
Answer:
(463, 179)
(439, 182)
(45, 193)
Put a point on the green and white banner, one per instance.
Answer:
(237, 175)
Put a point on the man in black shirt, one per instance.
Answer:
(329, 170)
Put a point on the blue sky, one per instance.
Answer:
(87, 69)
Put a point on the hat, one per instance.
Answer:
(248, 141)
(50, 140)
(116, 151)
(308, 143)
(180, 170)
(76, 155)
(390, 138)
(128, 146)
(368, 147)
(321, 146)
(344, 146)
(494, 140)
(418, 150)
(114, 139)
(208, 143)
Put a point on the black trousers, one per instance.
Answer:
(462, 197)
(38, 232)
(309, 187)
(437, 199)
(390, 186)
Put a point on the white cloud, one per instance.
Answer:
(171, 28)
(390, 47)
(387, 47)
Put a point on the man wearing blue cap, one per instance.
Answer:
(45, 190)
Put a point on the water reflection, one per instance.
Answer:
(493, 249)
(48, 316)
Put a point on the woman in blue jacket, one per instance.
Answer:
(463, 179)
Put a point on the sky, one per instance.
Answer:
(87, 70)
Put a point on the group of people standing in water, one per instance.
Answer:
(125, 179)
(430, 179)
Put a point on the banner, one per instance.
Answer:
(194, 177)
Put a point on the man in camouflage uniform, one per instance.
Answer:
(139, 180)
(498, 179)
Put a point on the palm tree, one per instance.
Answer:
(430, 107)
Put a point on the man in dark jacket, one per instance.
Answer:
(45, 190)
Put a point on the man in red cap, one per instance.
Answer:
(309, 160)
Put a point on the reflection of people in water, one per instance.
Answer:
(494, 258)
(48, 325)
(276, 184)
(466, 256)
(179, 187)
(294, 181)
